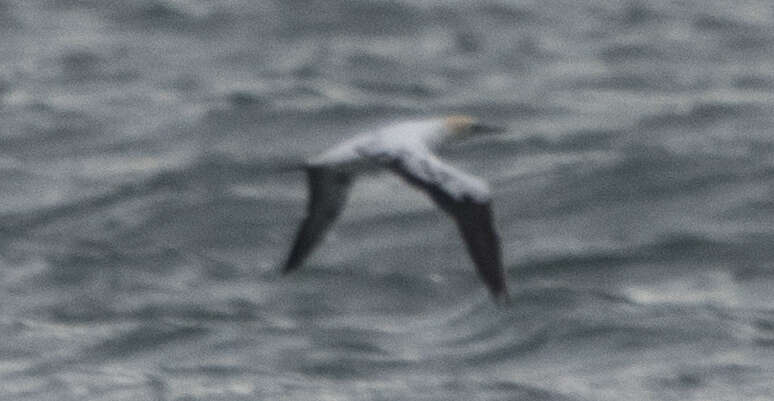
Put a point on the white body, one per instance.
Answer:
(415, 142)
(406, 149)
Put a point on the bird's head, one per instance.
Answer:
(463, 127)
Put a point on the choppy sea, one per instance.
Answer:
(149, 190)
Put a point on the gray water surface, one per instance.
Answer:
(149, 190)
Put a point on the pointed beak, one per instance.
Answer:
(487, 129)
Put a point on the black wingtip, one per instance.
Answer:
(288, 268)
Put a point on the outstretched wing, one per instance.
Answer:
(328, 189)
(466, 199)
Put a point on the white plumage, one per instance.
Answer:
(407, 149)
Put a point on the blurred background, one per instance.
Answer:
(149, 190)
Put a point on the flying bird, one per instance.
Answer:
(407, 149)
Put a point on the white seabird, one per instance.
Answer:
(407, 150)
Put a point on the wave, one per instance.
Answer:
(249, 110)
(639, 174)
(582, 140)
(638, 14)
(482, 335)
(176, 182)
(163, 15)
(701, 114)
(668, 247)
(234, 310)
(508, 13)
(81, 66)
(351, 367)
(8, 18)
(396, 88)
(734, 33)
(632, 52)
(574, 322)
(502, 109)
(144, 338)
(40, 130)
(694, 376)
(368, 18)
(347, 111)
(33, 219)
(629, 81)
(754, 82)
(718, 23)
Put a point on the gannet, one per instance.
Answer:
(406, 149)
